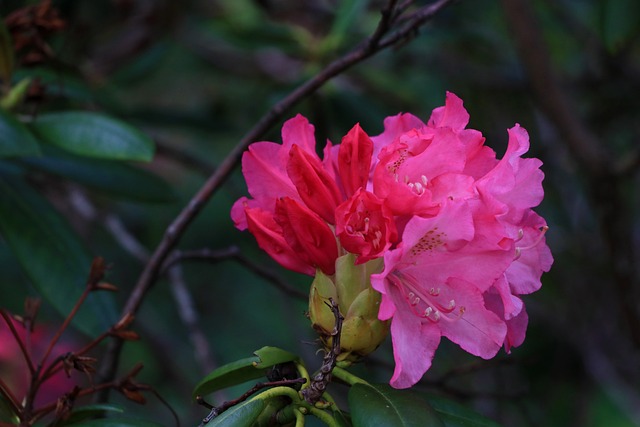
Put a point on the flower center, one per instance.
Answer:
(430, 304)
(360, 225)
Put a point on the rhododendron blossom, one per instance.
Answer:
(452, 224)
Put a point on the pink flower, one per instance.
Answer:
(296, 197)
(470, 243)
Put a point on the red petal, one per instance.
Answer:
(307, 234)
(271, 239)
(317, 189)
(354, 160)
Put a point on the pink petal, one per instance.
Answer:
(414, 345)
(477, 330)
(298, 131)
(452, 115)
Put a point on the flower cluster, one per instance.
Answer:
(452, 224)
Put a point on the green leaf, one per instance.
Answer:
(381, 405)
(115, 422)
(453, 414)
(84, 412)
(51, 255)
(113, 178)
(243, 370)
(15, 138)
(94, 135)
(242, 415)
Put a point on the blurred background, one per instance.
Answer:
(197, 75)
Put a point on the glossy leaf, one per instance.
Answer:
(241, 415)
(113, 178)
(15, 138)
(243, 370)
(381, 405)
(94, 135)
(51, 255)
(453, 414)
(84, 412)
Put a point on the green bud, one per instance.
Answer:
(350, 287)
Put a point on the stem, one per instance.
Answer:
(303, 373)
(23, 349)
(323, 416)
(347, 377)
(299, 417)
(11, 398)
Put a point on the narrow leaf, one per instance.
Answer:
(15, 138)
(84, 412)
(381, 405)
(243, 370)
(51, 255)
(94, 135)
(113, 178)
(456, 415)
(242, 415)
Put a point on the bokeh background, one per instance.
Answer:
(196, 75)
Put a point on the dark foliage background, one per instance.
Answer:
(196, 75)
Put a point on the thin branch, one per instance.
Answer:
(234, 253)
(189, 316)
(23, 348)
(177, 228)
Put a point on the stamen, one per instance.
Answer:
(519, 249)
(424, 180)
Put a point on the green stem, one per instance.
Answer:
(299, 418)
(279, 391)
(347, 377)
(323, 416)
(303, 373)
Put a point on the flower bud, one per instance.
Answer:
(358, 302)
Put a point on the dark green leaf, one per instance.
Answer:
(381, 405)
(94, 135)
(15, 138)
(84, 412)
(242, 415)
(243, 370)
(114, 422)
(51, 255)
(270, 356)
(454, 414)
(114, 178)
